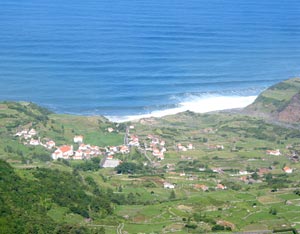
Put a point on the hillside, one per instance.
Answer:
(186, 173)
(33, 205)
(281, 102)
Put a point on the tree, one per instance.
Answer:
(255, 176)
(172, 195)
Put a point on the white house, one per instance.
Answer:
(34, 142)
(242, 172)
(134, 141)
(64, 151)
(288, 170)
(22, 133)
(78, 139)
(56, 155)
(78, 155)
(84, 147)
(274, 152)
(32, 132)
(190, 146)
(111, 163)
(110, 130)
(168, 185)
(124, 149)
(181, 147)
(50, 144)
(156, 152)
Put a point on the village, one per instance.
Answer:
(82, 151)
(152, 144)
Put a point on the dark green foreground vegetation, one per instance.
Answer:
(39, 195)
(24, 202)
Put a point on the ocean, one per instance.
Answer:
(126, 59)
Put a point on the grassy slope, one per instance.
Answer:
(249, 136)
(275, 98)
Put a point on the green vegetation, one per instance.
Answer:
(226, 182)
(25, 203)
(275, 100)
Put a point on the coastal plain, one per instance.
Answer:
(230, 171)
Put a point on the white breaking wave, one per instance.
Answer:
(195, 104)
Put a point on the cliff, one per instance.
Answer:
(280, 102)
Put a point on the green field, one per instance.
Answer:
(252, 201)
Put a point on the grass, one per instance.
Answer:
(245, 205)
(270, 199)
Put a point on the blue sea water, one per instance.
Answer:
(130, 57)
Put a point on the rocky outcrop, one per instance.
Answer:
(291, 113)
(281, 102)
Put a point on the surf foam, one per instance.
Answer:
(195, 104)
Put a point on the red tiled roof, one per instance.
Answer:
(65, 148)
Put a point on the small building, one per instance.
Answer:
(78, 155)
(22, 133)
(83, 147)
(111, 163)
(78, 139)
(34, 142)
(218, 170)
(110, 130)
(157, 153)
(221, 186)
(220, 147)
(201, 186)
(134, 141)
(32, 132)
(273, 152)
(288, 170)
(50, 144)
(190, 146)
(168, 185)
(155, 141)
(113, 149)
(124, 149)
(65, 151)
(242, 172)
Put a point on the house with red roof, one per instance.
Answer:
(288, 170)
(221, 186)
(65, 151)
(50, 144)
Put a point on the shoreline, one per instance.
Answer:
(201, 105)
(207, 104)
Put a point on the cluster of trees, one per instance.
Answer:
(88, 165)
(24, 202)
(278, 181)
(191, 166)
(130, 168)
